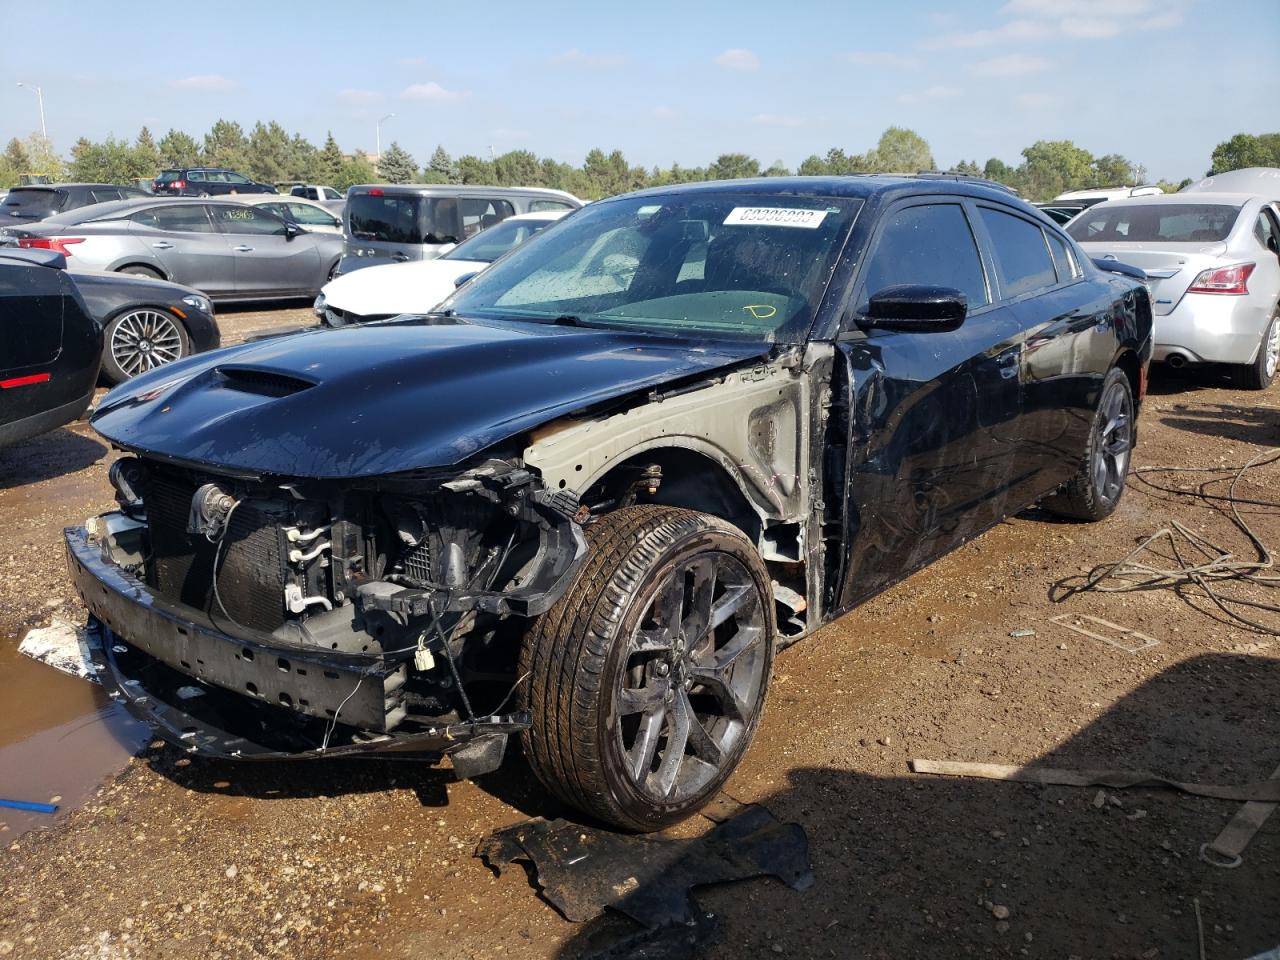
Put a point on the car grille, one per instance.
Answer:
(251, 578)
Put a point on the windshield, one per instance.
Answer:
(488, 245)
(403, 219)
(740, 266)
(1152, 222)
(32, 203)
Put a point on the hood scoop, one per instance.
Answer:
(264, 383)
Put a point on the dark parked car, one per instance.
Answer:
(205, 182)
(146, 322)
(588, 498)
(52, 345)
(1060, 213)
(29, 204)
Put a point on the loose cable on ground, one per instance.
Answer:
(1200, 562)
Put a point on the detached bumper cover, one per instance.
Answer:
(184, 679)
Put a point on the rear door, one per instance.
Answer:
(935, 415)
(1068, 347)
(183, 240)
(267, 259)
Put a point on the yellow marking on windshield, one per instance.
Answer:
(761, 311)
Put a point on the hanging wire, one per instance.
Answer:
(1200, 562)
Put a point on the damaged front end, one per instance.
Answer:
(260, 618)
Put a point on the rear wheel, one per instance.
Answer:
(1260, 374)
(1095, 491)
(142, 339)
(646, 681)
(138, 270)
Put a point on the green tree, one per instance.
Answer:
(968, 168)
(356, 169)
(471, 169)
(1113, 170)
(734, 166)
(146, 155)
(13, 163)
(901, 151)
(442, 169)
(302, 159)
(997, 170)
(108, 161)
(1052, 167)
(517, 168)
(267, 153)
(178, 149)
(812, 166)
(42, 159)
(396, 165)
(328, 166)
(1246, 150)
(777, 169)
(225, 145)
(603, 175)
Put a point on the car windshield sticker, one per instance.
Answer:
(775, 217)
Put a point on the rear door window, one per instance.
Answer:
(237, 178)
(479, 213)
(179, 218)
(1066, 266)
(927, 244)
(1023, 263)
(247, 220)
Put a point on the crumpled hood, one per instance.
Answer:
(387, 397)
(396, 288)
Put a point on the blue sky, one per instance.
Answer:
(1160, 81)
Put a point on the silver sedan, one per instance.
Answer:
(226, 250)
(1213, 267)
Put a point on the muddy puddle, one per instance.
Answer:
(60, 736)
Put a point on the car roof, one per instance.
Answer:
(115, 209)
(859, 185)
(257, 198)
(1199, 197)
(449, 190)
(63, 186)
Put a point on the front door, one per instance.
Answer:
(934, 417)
(182, 240)
(268, 258)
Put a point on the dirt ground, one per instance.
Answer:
(185, 858)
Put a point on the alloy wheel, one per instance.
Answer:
(142, 340)
(1115, 442)
(693, 677)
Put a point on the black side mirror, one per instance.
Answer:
(464, 278)
(913, 307)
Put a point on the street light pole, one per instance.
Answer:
(39, 97)
(378, 133)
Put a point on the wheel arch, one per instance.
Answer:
(124, 263)
(1127, 361)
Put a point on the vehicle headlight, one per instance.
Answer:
(196, 302)
(318, 307)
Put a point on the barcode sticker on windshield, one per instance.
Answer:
(775, 217)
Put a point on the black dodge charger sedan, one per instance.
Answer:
(587, 499)
(50, 348)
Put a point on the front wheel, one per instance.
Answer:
(142, 339)
(1262, 372)
(646, 681)
(1095, 491)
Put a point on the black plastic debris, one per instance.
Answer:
(584, 870)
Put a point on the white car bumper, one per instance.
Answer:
(1211, 328)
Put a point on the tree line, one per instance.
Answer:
(270, 154)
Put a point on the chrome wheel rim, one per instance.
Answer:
(1273, 347)
(1115, 441)
(142, 340)
(693, 677)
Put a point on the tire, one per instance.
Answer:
(139, 339)
(138, 270)
(1262, 372)
(1095, 491)
(605, 749)
(203, 193)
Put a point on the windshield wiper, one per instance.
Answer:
(568, 320)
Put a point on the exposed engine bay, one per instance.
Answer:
(383, 614)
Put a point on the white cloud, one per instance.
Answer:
(203, 81)
(359, 98)
(596, 60)
(776, 120)
(428, 91)
(931, 94)
(880, 58)
(1090, 27)
(1010, 65)
(1035, 101)
(1013, 31)
(736, 58)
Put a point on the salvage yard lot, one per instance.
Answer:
(191, 858)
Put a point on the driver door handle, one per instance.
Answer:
(243, 248)
(163, 245)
